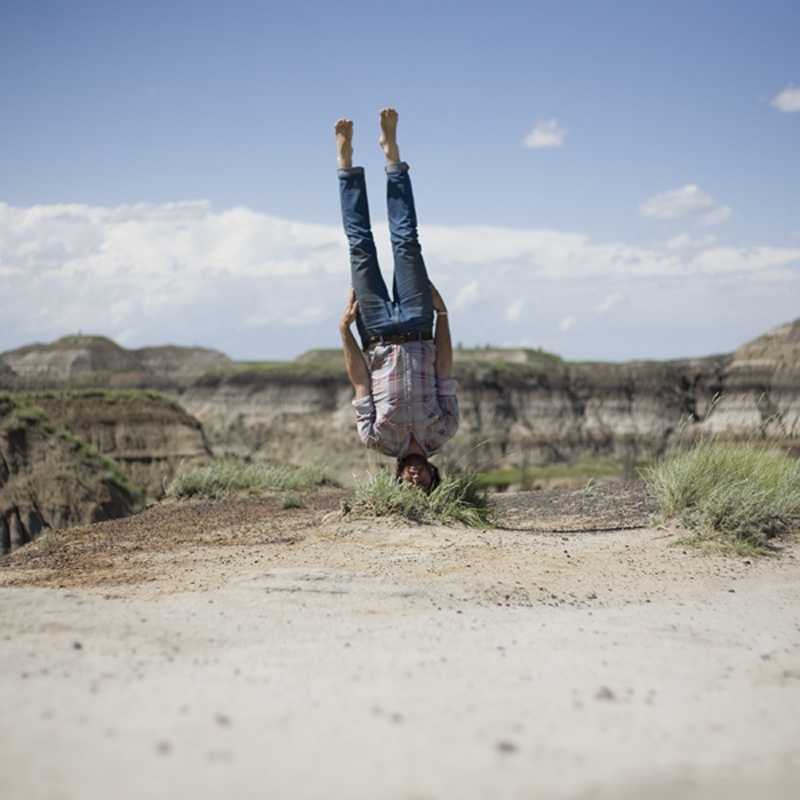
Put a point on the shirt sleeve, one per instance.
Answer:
(365, 420)
(448, 403)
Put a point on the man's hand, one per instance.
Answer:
(438, 303)
(350, 311)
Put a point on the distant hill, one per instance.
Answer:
(170, 358)
(83, 359)
(779, 347)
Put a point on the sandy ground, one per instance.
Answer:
(238, 649)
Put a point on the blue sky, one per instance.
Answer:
(663, 219)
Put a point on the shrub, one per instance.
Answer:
(227, 476)
(458, 499)
(738, 495)
(291, 501)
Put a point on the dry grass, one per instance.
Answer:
(457, 500)
(229, 476)
(735, 496)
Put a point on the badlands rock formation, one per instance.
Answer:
(519, 407)
(145, 432)
(51, 479)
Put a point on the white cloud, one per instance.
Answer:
(567, 323)
(686, 201)
(685, 241)
(677, 203)
(260, 286)
(608, 302)
(546, 133)
(716, 216)
(788, 100)
(514, 311)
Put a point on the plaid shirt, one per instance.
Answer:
(407, 398)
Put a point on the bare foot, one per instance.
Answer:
(388, 138)
(344, 143)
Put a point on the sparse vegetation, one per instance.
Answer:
(457, 500)
(528, 477)
(735, 496)
(228, 476)
(292, 501)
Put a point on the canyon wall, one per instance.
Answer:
(518, 408)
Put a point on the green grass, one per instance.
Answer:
(228, 476)
(292, 501)
(457, 500)
(527, 476)
(737, 497)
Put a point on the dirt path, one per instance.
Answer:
(240, 649)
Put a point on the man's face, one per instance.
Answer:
(417, 472)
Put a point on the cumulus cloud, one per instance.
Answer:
(684, 241)
(716, 216)
(788, 100)
(686, 201)
(256, 285)
(546, 133)
(677, 203)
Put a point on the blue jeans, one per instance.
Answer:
(411, 308)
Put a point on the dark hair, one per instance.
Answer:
(436, 478)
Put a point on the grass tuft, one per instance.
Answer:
(228, 476)
(737, 497)
(457, 500)
(292, 501)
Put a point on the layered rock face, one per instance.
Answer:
(532, 410)
(294, 420)
(518, 407)
(760, 391)
(562, 413)
(146, 433)
(50, 479)
(511, 415)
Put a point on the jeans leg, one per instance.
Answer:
(412, 291)
(374, 306)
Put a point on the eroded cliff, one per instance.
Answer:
(51, 479)
(145, 432)
(518, 408)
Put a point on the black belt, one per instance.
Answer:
(398, 338)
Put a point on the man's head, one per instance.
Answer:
(418, 472)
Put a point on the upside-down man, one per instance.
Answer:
(405, 401)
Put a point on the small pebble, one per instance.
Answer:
(604, 693)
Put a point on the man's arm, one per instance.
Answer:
(444, 347)
(354, 361)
